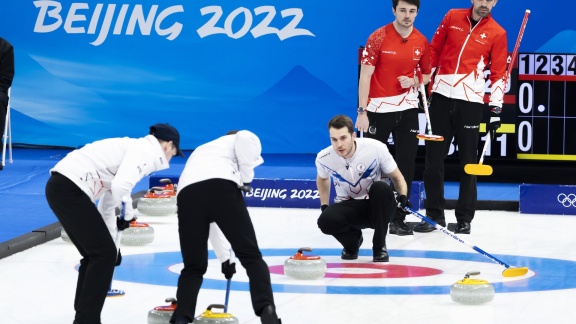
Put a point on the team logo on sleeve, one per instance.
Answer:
(142, 167)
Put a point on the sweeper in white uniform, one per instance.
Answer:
(210, 190)
(105, 170)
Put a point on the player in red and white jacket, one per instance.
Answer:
(388, 90)
(466, 42)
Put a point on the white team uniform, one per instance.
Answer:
(353, 177)
(228, 157)
(231, 158)
(109, 169)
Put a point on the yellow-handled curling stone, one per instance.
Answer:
(210, 317)
(472, 291)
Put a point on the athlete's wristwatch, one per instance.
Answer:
(361, 110)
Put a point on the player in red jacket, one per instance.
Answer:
(388, 90)
(466, 42)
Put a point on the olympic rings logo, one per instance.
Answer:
(567, 200)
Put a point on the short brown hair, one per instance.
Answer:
(341, 121)
(412, 2)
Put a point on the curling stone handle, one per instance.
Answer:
(304, 249)
(472, 273)
(171, 300)
(215, 306)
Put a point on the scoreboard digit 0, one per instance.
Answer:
(546, 119)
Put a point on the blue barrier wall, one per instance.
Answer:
(293, 193)
(547, 199)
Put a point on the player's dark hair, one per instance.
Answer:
(341, 121)
(412, 2)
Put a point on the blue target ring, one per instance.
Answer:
(152, 268)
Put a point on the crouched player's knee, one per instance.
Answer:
(324, 223)
(381, 188)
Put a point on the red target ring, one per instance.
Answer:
(379, 271)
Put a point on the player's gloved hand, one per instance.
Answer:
(122, 224)
(228, 269)
(494, 119)
(402, 202)
(323, 207)
(246, 187)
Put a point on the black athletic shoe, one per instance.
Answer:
(463, 228)
(424, 227)
(268, 315)
(349, 255)
(380, 255)
(400, 228)
(352, 254)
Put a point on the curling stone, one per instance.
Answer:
(137, 234)
(159, 201)
(209, 317)
(302, 266)
(472, 291)
(162, 314)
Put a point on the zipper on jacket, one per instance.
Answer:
(462, 50)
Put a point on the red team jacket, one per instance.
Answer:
(393, 56)
(461, 53)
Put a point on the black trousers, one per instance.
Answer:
(345, 220)
(460, 119)
(404, 127)
(219, 201)
(86, 228)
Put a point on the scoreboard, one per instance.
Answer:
(546, 101)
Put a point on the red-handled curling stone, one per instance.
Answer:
(301, 266)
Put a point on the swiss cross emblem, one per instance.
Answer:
(417, 52)
(483, 36)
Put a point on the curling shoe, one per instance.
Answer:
(380, 255)
(424, 227)
(269, 316)
(400, 228)
(463, 228)
(348, 254)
